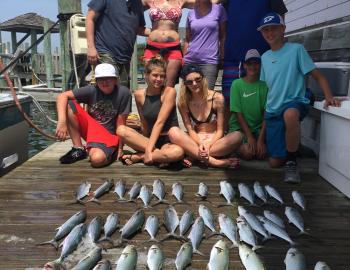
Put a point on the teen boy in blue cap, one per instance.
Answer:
(283, 69)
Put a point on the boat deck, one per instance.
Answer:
(34, 197)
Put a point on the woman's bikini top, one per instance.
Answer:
(211, 116)
(173, 14)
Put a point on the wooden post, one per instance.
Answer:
(133, 70)
(48, 55)
(14, 41)
(33, 39)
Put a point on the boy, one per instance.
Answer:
(247, 102)
(284, 68)
(108, 107)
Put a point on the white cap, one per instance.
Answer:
(105, 70)
(252, 54)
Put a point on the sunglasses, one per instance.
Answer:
(190, 82)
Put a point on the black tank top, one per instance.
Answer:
(151, 109)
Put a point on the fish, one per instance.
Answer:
(274, 218)
(249, 258)
(159, 192)
(253, 221)
(72, 241)
(152, 226)
(299, 199)
(111, 225)
(295, 260)
(207, 216)
(134, 191)
(196, 235)
(155, 258)
(246, 193)
(295, 218)
(120, 189)
(184, 256)
(104, 188)
(322, 266)
(186, 221)
(276, 230)
(133, 225)
(145, 196)
(103, 265)
(260, 192)
(128, 259)
(95, 228)
(82, 191)
(246, 233)
(229, 228)
(89, 260)
(171, 221)
(66, 228)
(274, 193)
(203, 191)
(228, 192)
(178, 193)
(219, 256)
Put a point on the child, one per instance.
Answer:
(283, 69)
(247, 102)
(108, 107)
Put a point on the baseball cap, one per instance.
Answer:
(105, 70)
(187, 69)
(271, 18)
(252, 54)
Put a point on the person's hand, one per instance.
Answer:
(203, 152)
(61, 131)
(92, 56)
(148, 159)
(260, 149)
(252, 144)
(331, 101)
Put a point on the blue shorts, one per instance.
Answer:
(275, 129)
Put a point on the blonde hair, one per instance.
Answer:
(156, 61)
(185, 93)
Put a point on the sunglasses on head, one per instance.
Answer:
(190, 82)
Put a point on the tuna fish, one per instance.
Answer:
(104, 188)
(274, 193)
(274, 218)
(128, 259)
(322, 266)
(250, 259)
(120, 190)
(66, 228)
(219, 256)
(228, 192)
(260, 192)
(246, 233)
(152, 226)
(89, 260)
(145, 196)
(184, 256)
(295, 218)
(246, 193)
(229, 228)
(159, 191)
(155, 258)
(82, 191)
(103, 265)
(95, 228)
(72, 241)
(171, 221)
(111, 224)
(207, 216)
(186, 222)
(178, 193)
(203, 191)
(253, 221)
(295, 260)
(133, 225)
(196, 235)
(299, 199)
(134, 192)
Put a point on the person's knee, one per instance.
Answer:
(291, 116)
(98, 159)
(177, 152)
(174, 134)
(121, 131)
(276, 162)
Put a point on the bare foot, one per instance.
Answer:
(229, 163)
(187, 162)
(129, 159)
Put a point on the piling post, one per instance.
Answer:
(34, 52)
(14, 41)
(47, 54)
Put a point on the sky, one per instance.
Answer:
(46, 8)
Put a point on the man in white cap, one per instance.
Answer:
(108, 107)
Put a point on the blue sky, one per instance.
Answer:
(47, 8)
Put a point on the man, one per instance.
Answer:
(111, 28)
(108, 107)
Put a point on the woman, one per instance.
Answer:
(205, 38)
(202, 111)
(157, 110)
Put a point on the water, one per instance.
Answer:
(38, 142)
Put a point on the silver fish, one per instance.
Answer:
(322, 266)
(274, 193)
(246, 233)
(66, 228)
(229, 228)
(178, 192)
(133, 224)
(246, 193)
(184, 256)
(196, 235)
(299, 199)
(186, 222)
(203, 191)
(128, 258)
(111, 224)
(274, 218)
(72, 241)
(227, 191)
(120, 189)
(82, 191)
(152, 226)
(89, 260)
(250, 259)
(159, 191)
(103, 265)
(104, 188)
(295, 218)
(145, 196)
(207, 216)
(171, 220)
(219, 256)
(253, 221)
(155, 258)
(134, 191)
(260, 192)
(295, 260)
(95, 228)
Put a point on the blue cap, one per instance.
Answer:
(271, 18)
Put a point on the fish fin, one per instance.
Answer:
(199, 252)
(94, 200)
(180, 202)
(128, 201)
(52, 242)
(105, 238)
(225, 204)
(257, 247)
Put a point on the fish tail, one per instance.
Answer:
(94, 200)
(52, 242)
(257, 247)
(198, 252)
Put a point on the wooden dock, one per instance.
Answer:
(34, 197)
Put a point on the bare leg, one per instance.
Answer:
(276, 162)
(132, 138)
(292, 123)
(172, 72)
(226, 145)
(245, 152)
(97, 158)
(73, 128)
(180, 138)
(168, 153)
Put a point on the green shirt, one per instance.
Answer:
(249, 99)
